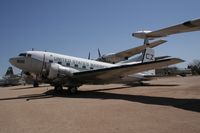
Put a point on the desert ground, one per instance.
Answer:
(164, 105)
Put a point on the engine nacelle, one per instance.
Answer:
(57, 70)
(141, 34)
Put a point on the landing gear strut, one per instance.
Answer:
(58, 88)
(35, 84)
(72, 90)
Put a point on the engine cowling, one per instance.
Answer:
(57, 70)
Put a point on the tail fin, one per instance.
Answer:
(148, 55)
(9, 71)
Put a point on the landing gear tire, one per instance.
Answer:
(35, 84)
(58, 88)
(141, 83)
(72, 90)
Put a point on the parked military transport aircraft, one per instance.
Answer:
(72, 72)
(127, 55)
(188, 26)
(62, 70)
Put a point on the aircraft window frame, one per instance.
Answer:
(76, 65)
(67, 64)
(84, 67)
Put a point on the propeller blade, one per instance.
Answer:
(99, 53)
(89, 56)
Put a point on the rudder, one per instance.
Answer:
(148, 55)
(9, 71)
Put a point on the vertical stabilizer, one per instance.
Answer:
(9, 71)
(148, 55)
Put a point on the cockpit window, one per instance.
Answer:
(22, 54)
(29, 55)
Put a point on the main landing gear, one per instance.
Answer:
(35, 84)
(70, 90)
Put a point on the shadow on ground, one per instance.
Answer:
(28, 87)
(181, 103)
(149, 84)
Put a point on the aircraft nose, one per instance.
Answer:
(13, 61)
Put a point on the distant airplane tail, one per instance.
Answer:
(9, 71)
(148, 55)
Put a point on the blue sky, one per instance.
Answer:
(75, 27)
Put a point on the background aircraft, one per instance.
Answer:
(10, 79)
(126, 54)
(188, 26)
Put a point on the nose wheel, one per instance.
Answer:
(58, 89)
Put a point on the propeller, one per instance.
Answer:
(44, 71)
(99, 53)
(89, 56)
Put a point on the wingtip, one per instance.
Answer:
(178, 60)
(164, 41)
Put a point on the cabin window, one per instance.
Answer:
(60, 62)
(84, 67)
(50, 61)
(76, 65)
(91, 68)
(67, 64)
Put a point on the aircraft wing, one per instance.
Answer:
(133, 51)
(108, 75)
(124, 55)
(188, 26)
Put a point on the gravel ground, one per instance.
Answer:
(167, 105)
